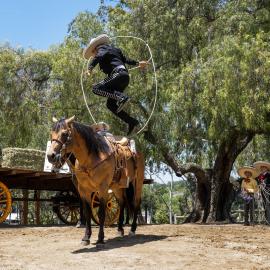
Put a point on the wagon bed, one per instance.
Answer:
(16, 178)
(66, 199)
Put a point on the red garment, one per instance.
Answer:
(261, 177)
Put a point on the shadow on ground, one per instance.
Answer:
(19, 226)
(119, 242)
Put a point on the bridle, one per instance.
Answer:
(62, 151)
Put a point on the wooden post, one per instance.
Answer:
(25, 207)
(37, 207)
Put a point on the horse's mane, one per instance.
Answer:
(95, 143)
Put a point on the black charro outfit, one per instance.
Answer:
(265, 178)
(112, 62)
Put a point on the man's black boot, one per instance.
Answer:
(132, 126)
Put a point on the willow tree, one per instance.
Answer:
(213, 65)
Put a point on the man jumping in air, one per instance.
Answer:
(112, 62)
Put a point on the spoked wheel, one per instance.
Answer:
(5, 202)
(67, 207)
(112, 209)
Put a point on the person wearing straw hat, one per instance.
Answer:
(249, 186)
(264, 181)
(112, 62)
(264, 168)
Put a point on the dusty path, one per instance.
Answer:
(155, 247)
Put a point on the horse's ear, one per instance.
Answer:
(70, 120)
(54, 119)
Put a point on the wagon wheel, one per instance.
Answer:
(67, 209)
(5, 202)
(112, 209)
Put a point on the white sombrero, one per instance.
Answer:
(94, 42)
(260, 164)
(254, 172)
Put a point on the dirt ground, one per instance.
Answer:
(154, 247)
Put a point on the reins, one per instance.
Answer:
(114, 152)
(87, 169)
(63, 148)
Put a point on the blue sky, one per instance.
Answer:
(39, 24)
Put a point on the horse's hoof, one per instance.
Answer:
(100, 245)
(85, 242)
(131, 233)
(120, 233)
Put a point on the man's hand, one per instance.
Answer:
(143, 64)
(88, 72)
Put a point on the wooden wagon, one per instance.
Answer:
(66, 202)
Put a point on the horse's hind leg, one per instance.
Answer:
(137, 206)
(101, 217)
(127, 214)
(88, 230)
(120, 228)
(119, 194)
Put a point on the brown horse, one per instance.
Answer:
(95, 168)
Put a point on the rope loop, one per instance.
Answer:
(86, 63)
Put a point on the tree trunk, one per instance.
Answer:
(220, 186)
(213, 190)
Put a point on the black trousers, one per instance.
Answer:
(249, 210)
(113, 87)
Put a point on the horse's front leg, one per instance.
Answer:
(88, 230)
(101, 216)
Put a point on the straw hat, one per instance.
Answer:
(101, 126)
(254, 172)
(260, 164)
(94, 42)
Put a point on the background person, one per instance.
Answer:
(112, 62)
(264, 181)
(249, 186)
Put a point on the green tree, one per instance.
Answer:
(23, 86)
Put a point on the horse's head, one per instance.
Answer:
(61, 140)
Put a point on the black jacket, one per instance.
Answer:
(110, 57)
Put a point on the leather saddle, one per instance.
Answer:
(122, 152)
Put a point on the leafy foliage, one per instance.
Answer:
(212, 59)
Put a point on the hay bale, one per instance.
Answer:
(0, 156)
(23, 158)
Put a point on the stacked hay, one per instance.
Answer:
(23, 158)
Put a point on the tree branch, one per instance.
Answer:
(171, 160)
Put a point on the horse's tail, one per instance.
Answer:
(134, 190)
(130, 192)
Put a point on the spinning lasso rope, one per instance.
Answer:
(86, 63)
